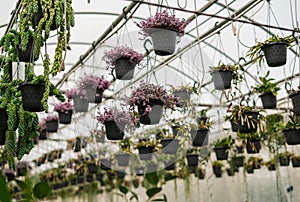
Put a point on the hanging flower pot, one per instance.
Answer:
(192, 159)
(295, 97)
(163, 29)
(251, 125)
(94, 95)
(199, 137)
(27, 55)
(52, 126)
(80, 104)
(152, 117)
(253, 145)
(221, 153)
(3, 125)
(113, 130)
(275, 53)
(170, 165)
(284, 160)
(222, 79)
(106, 164)
(217, 170)
(139, 171)
(123, 159)
(169, 145)
(268, 100)
(296, 161)
(151, 168)
(32, 95)
(145, 153)
(124, 68)
(292, 136)
(65, 118)
(175, 130)
(89, 178)
(183, 96)
(238, 161)
(120, 174)
(92, 167)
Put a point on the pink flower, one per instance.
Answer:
(96, 82)
(75, 92)
(51, 118)
(63, 107)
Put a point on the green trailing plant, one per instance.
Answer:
(255, 53)
(267, 86)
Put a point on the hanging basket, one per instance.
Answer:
(65, 117)
(192, 159)
(145, 153)
(80, 104)
(295, 97)
(169, 145)
(94, 95)
(275, 53)
(114, 131)
(3, 125)
(52, 126)
(284, 160)
(292, 136)
(164, 41)
(199, 137)
(222, 79)
(295, 162)
(32, 95)
(123, 159)
(39, 15)
(251, 128)
(154, 116)
(175, 130)
(124, 68)
(238, 161)
(253, 146)
(268, 100)
(183, 97)
(106, 164)
(92, 168)
(170, 165)
(217, 171)
(27, 55)
(221, 153)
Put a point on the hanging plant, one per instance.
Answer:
(222, 147)
(150, 100)
(94, 86)
(51, 123)
(274, 49)
(163, 29)
(123, 60)
(183, 94)
(78, 95)
(294, 95)
(222, 75)
(268, 91)
(292, 129)
(65, 110)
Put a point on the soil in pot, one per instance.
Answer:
(199, 137)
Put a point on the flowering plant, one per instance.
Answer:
(63, 107)
(75, 92)
(163, 20)
(142, 95)
(114, 114)
(121, 52)
(51, 118)
(96, 82)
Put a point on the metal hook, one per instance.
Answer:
(124, 13)
(94, 45)
(286, 85)
(239, 63)
(81, 60)
(146, 49)
(216, 24)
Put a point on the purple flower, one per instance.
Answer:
(121, 52)
(75, 92)
(63, 107)
(96, 82)
(51, 118)
(163, 20)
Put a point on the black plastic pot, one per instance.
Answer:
(199, 137)
(268, 100)
(230, 172)
(114, 131)
(145, 153)
(139, 171)
(183, 97)
(123, 159)
(27, 55)
(106, 164)
(272, 167)
(221, 153)
(170, 145)
(222, 79)
(295, 162)
(80, 104)
(192, 159)
(217, 171)
(150, 168)
(3, 125)
(99, 177)
(52, 126)
(295, 97)
(43, 135)
(284, 160)
(292, 136)
(163, 40)
(94, 95)
(92, 168)
(275, 53)
(250, 169)
(238, 161)
(251, 128)
(124, 68)
(120, 174)
(89, 178)
(32, 95)
(65, 118)
(175, 130)
(240, 149)
(80, 179)
(170, 165)
(253, 146)
(154, 116)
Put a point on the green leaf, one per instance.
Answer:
(152, 178)
(41, 190)
(153, 191)
(123, 189)
(170, 177)
(4, 193)
(21, 184)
